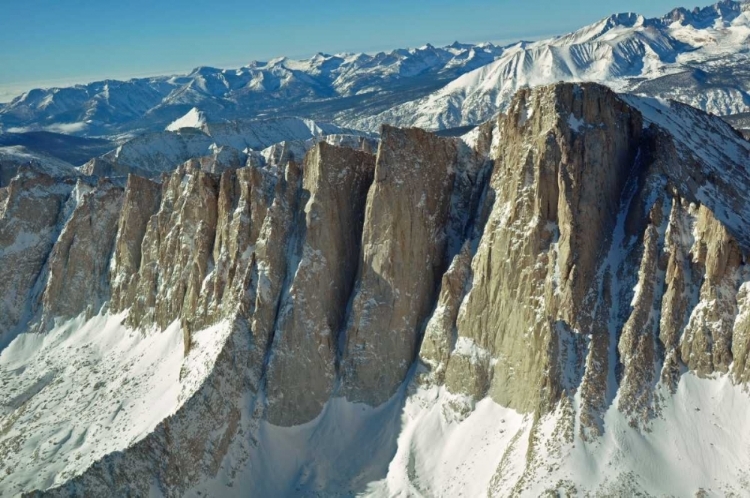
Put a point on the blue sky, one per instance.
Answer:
(59, 42)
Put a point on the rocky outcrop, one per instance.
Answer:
(101, 167)
(680, 279)
(222, 159)
(440, 333)
(302, 373)
(176, 249)
(403, 256)
(637, 345)
(564, 156)
(78, 266)
(140, 202)
(706, 346)
(34, 207)
(245, 196)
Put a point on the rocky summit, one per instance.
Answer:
(555, 304)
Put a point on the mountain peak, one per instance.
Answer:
(704, 17)
(204, 71)
(195, 118)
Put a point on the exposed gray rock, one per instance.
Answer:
(30, 217)
(176, 250)
(302, 373)
(555, 191)
(403, 256)
(141, 201)
(78, 266)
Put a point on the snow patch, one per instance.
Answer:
(575, 123)
(193, 119)
(466, 346)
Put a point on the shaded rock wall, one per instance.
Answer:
(302, 371)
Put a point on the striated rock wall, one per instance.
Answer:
(78, 266)
(176, 249)
(404, 250)
(563, 158)
(576, 254)
(302, 373)
(141, 201)
(34, 207)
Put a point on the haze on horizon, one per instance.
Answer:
(67, 42)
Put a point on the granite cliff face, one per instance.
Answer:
(575, 258)
(302, 365)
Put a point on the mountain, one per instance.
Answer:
(55, 154)
(698, 57)
(217, 146)
(550, 296)
(229, 143)
(554, 304)
(15, 157)
(68, 148)
(321, 87)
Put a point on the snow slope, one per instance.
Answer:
(416, 445)
(722, 156)
(691, 446)
(88, 388)
(193, 119)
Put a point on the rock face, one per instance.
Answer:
(403, 254)
(140, 203)
(302, 371)
(586, 248)
(30, 214)
(555, 191)
(80, 259)
(176, 248)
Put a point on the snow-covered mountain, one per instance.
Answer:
(191, 136)
(227, 301)
(14, 157)
(322, 86)
(52, 153)
(557, 304)
(699, 57)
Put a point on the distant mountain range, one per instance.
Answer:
(151, 125)
(700, 57)
(345, 86)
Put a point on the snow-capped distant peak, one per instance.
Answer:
(193, 119)
(627, 52)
